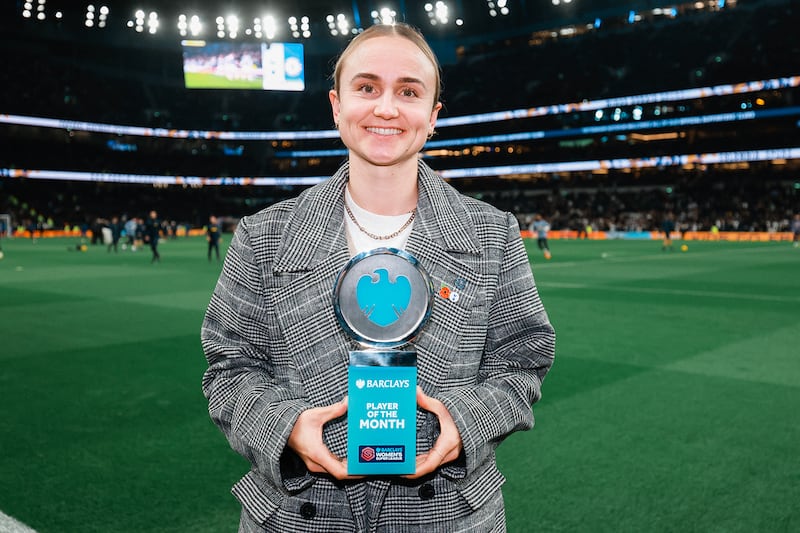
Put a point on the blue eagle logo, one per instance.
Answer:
(381, 300)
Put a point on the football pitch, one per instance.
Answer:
(672, 404)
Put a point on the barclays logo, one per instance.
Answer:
(383, 383)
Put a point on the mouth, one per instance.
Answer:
(384, 131)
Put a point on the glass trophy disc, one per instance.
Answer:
(383, 297)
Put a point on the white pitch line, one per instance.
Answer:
(10, 525)
(674, 292)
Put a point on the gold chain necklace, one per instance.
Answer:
(380, 237)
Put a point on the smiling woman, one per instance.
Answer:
(385, 103)
(278, 357)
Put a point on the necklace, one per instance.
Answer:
(380, 237)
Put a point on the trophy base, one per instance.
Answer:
(381, 413)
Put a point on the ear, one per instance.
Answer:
(333, 96)
(435, 114)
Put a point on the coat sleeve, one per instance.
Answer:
(519, 351)
(254, 410)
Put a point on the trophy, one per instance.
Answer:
(382, 299)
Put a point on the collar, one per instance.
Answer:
(315, 228)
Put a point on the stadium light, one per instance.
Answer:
(231, 23)
(152, 23)
(89, 17)
(437, 13)
(190, 25)
(138, 21)
(386, 15)
(300, 27)
(339, 25)
(104, 12)
(266, 26)
(195, 26)
(183, 25)
(500, 7)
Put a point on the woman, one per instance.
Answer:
(277, 375)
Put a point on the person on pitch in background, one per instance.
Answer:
(667, 226)
(116, 232)
(278, 359)
(213, 235)
(152, 234)
(540, 227)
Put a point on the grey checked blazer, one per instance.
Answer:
(274, 349)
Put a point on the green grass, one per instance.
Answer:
(672, 405)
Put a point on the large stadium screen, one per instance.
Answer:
(224, 65)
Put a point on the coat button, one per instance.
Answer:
(426, 491)
(308, 511)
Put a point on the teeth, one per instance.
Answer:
(384, 131)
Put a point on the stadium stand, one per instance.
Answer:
(134, 85)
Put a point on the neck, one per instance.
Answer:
(384, 190)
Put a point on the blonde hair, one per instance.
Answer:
(399, 29)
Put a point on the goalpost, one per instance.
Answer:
(5, 225)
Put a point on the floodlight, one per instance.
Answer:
(269, 26)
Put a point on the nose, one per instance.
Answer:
(385, 106)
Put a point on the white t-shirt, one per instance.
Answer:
(358, 241)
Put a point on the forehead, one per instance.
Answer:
(387, 55)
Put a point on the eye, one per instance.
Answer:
(366, 88)
(408, 92)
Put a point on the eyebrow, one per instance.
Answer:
(370, 76)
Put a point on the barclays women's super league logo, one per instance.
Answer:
(382, 300)
(383, 297)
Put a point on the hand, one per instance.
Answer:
(306, 440)
(447, 447)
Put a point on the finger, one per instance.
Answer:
(334, 466)
(337, 409)
(439, 454)
(426, 463)
(338, 469)
(449, 441)
(349, 476)
(428, 403)
(313, 466)
(423, 400)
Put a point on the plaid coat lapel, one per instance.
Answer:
(313, 250)
(444, 240)
(315, 229)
